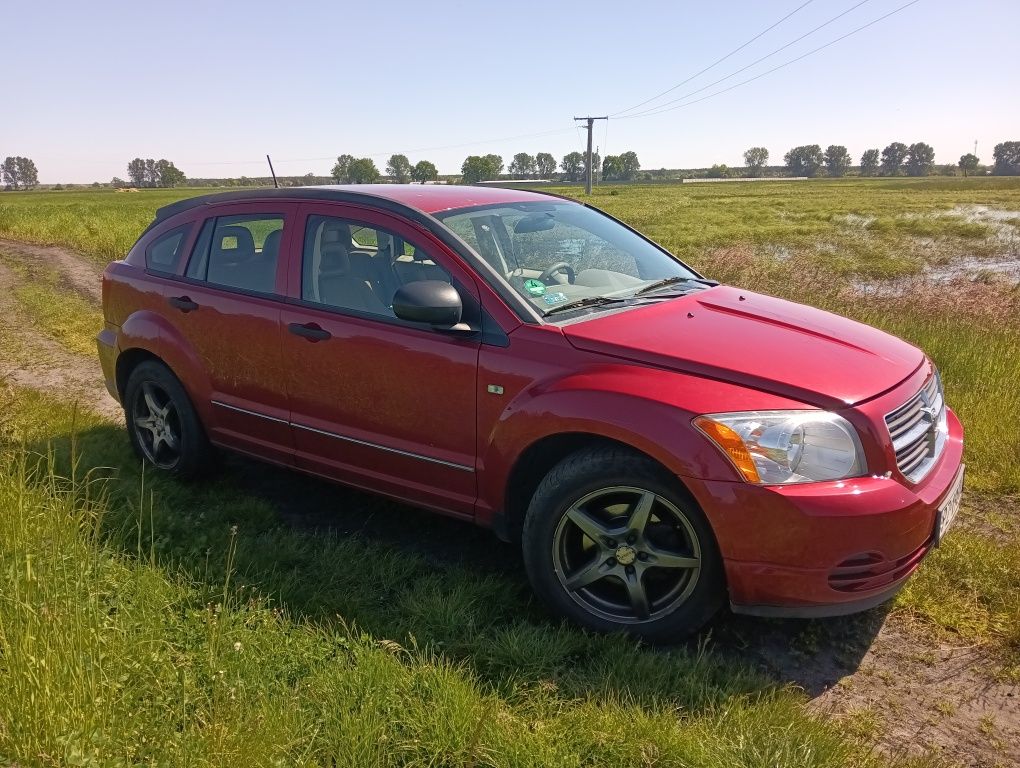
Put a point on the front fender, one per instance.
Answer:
(649, 409)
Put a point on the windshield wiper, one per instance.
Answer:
(675, 279)
(587, 301)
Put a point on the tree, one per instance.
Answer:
(342, 170)
(168, 174)
(869, 162)
(920, 159)
(424, 171)
(893, 157)
(19, 173)
(545, 165)
(804, 160)
(10, 172)
(630, 165)
(969, 163)
(478, 168)
(151, 174)
(399, 168)
(756, 158)
(28, 173)
(572, 166)
(522, 166)
(718, 172)
(363, 171)
(495, 165)
(612, 168)
(136, 171)
(837, 160)
(1007, 158)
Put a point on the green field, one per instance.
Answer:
(143, 621)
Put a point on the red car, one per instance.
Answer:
(659, 444)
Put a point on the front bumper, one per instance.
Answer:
(825, 549)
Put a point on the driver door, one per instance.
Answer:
(375, 401)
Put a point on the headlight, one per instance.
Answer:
(774, 447)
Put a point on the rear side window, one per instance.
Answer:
(164, 253)
(238, 252)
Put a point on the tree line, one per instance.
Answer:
(20, 173)
(154, 173)
(917, 159)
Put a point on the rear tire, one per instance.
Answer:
(162, 423)
(616, 544)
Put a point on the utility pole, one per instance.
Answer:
(587, 157)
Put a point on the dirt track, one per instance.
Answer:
(872, 666)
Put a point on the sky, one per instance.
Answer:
(214, 86)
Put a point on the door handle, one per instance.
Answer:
(182, 303)
(310, 331)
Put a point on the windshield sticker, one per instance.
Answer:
(555, 298)
(534, 287)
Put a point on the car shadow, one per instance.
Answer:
(811, 654)
(332, 523)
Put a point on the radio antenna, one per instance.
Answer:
(276, 184)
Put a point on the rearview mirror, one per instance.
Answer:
(537, 222)
(429, 301)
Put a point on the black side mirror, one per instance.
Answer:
(430, 301)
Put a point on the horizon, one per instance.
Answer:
(218, 102)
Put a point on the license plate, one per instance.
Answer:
(950, 507)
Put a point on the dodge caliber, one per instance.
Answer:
(657, 444)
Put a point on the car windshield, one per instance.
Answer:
(561, 253)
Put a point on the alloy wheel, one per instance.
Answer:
(157, 425)
(626, 554)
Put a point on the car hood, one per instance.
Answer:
(759, 341)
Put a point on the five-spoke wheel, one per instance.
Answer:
(614, 542)
(162, 423)
(157, 425)
(626, 553)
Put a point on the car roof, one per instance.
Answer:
(427, 198)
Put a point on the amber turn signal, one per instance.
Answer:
(731, 444)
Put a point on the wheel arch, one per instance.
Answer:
(538, 459)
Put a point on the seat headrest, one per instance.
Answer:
(335, 260)
(234, 244)
(271, 246)
(334, 231)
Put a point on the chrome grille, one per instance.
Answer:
(918, 430)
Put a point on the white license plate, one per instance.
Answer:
(950, 507)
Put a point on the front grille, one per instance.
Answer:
(918, 430)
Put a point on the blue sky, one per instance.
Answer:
(213, 86)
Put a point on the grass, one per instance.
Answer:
(66, 317)
(122, 599)
(146, 622)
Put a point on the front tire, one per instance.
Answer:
(162, 423)
(614, 543)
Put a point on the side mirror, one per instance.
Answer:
(430, 301)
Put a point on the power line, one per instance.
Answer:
(748, 66)
(660, 111)
(716, 62)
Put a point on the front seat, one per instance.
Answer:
(340, 287)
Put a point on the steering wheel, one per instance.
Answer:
(559, 266)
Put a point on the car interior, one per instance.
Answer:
(358, 267)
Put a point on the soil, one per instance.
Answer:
(876, 672)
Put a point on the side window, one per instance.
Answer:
(349, 265)
(164, 253)
(238, 252)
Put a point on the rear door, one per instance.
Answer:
(375, 401)
(227, 306)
